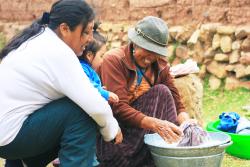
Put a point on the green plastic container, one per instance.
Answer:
(241, 143)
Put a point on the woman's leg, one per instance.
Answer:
(60, 126)
(13, 163)
(158, 102)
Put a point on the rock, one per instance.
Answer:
(211, 27)
(184, 34)
(106, 27)
(181, 52)
(240, 71)
(216, 41)
(117, 28)
(110, 36)
(242, 32)
(245, 46)
(115, 38)
(191, 91)
(230, 68)
(234, 57)
(125, 38)
(194, 38)
(115, 44)
(174, 30)
(225, 30)
(203, 71)
(226, 44)
(209, 53)
(170, 39)
(236, 45)
(247, 70)
(231, 83)
(245, 58)
(198, 54)
(206, 36)
(217, 69)
(170, 51)
(214, 82)
(207, 61)
(148, 3)
(221, 57)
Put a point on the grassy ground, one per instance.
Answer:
(216, 102)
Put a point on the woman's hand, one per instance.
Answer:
(113, 97)
(167, 130)
(119, 137)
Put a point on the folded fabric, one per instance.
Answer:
(194, 135)
(243, 126)
(190, 66)
(228, 122)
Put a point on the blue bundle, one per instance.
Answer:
(228, 122)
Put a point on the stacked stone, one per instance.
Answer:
(216, 48)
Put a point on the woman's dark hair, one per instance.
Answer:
(95, 45)
(71, 12)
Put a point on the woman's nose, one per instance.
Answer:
(91, 38)
(148, 61)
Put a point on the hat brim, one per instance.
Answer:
(145, 44)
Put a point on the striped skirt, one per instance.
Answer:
(158, 102)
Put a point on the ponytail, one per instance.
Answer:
(71, 12)
(33, 30)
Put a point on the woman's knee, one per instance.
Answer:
(70, 110)
(162, 89)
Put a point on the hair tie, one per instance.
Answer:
(45, 18)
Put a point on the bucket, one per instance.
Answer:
(241, 142)
(168, 155)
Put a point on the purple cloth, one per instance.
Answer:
(132, 152)
(194, 135)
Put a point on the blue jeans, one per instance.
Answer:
(60, 128)
(13, 163)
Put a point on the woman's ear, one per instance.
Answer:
(90, 56)
(63, 30)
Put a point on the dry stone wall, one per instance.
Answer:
(217, 48)
(174, 12)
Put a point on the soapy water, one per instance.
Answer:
(160, 142)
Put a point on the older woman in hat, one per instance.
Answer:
(149, 101)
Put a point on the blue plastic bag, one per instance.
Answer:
(228, 122)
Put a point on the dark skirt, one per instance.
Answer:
(158, 102)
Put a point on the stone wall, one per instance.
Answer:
(217, 48)
(175, 12)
